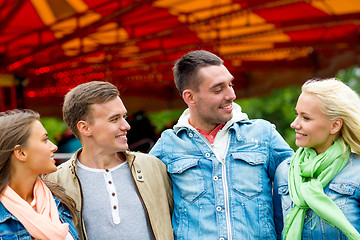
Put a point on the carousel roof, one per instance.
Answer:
(50, 46)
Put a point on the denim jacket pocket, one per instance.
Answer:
(248, 173)
(340, 192)
(184, 171)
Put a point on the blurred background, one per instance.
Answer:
(271, 47)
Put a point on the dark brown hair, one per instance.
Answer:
(186, 69)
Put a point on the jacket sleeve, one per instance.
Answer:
(156, 149)
(157, 152)
(279, 151)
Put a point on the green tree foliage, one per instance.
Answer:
(54, 126)
(351, 76)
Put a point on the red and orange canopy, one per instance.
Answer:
(57, 44)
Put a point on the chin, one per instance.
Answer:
(227, 119)
(123, 149)
(301, 145)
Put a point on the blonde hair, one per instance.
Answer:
(339, 101)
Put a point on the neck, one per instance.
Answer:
(23, 186)
(202, 125)
(22, 181)
(93, 158)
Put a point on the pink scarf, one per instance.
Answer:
(43, 223)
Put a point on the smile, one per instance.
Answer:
(227, 106)
(300, 134)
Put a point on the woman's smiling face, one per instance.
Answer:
(312, 127)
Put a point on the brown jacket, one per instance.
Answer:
(152, 183)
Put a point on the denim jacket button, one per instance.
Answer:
(221, 238)
(191, 135)
(215, 178)
(218, 208)
(207, 155)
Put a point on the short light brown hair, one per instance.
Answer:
(78, 102)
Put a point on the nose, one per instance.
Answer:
(294, 124)
(53, 147)
(125, 126)
(230, 96)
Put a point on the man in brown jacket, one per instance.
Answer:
(118, 194)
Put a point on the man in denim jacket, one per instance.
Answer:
(221, 164)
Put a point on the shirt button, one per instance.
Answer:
(139, 171)
(139, 177)
(218, 208)
(114, 207)
(110, 182)
(113, 194)
(207, 155)
(215, 178)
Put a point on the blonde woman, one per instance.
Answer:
(29, 208)
(320, 187)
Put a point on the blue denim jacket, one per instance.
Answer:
(343, 190)
(11, 228)
(210, 197)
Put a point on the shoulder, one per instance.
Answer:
(143, 159)
(169, 139)
(254, 125)
(259, 130)
(351, 171)
(170, 134)
(10, 225)
(255, 122)
(146, 164)
(4, 214)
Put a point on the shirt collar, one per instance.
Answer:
(210, 136)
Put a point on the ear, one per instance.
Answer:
(336, 126)
(84, 128)
(188, 96)
(19, 153)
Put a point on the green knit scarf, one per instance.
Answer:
(309, 173)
